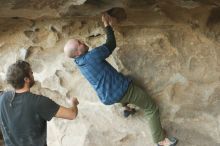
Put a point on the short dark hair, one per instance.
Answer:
(17, 72)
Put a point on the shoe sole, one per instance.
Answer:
(173, 140)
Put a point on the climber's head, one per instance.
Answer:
(74, 48)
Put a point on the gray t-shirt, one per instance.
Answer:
(23, 119)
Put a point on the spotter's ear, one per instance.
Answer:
(26, 79)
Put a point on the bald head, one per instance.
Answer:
(74, 48)
(70, 48)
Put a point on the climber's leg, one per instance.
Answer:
(138, 97)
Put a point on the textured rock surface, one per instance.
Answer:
(170, 48)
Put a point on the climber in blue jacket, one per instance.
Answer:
(112, 86)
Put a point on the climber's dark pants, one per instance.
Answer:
(137, 96)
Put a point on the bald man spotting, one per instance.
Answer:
(112, 86)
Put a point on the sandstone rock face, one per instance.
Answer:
(170, 48)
